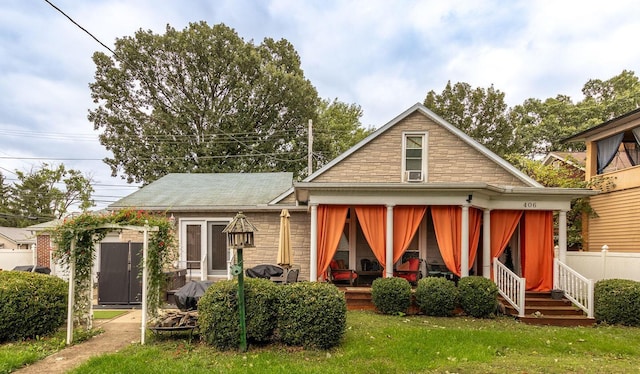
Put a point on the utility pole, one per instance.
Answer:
(310, 153)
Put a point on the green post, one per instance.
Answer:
(243, 324)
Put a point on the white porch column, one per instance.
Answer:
(562, 236)
(464, 248)
(389, 244)
(313, 263)
(486, 243)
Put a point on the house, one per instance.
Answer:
(612, 159)
(416, 187)
(573, 162)
(16, 238)
(15, 247)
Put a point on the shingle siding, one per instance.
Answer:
(449, 159)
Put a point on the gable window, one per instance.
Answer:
(414, 157)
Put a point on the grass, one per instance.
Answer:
(14, 355)
(107, 314)
(375, 343)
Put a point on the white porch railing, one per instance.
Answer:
(510, 286)
(577, 288)
(203, 268)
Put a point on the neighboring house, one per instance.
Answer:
(416, 187)
(612, 159)
(573, 162)
(15, 247)
(16, 238)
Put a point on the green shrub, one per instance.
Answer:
(391, 295)
(31, 304)
(436, 296)
(617, 301)
(478, 296)
(312, 315)
(218, 318)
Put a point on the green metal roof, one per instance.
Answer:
(182, 190)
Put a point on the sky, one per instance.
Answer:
(382, 55)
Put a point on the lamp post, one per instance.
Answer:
(240, 234)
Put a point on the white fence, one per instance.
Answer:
(10, 258)
(605, 264)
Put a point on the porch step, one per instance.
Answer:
(541, 309)
(359, 298)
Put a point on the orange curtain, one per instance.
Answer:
(406, 220)
(447, 224)
(373, 220)
(538, 245)
(475, 219)
(331, 220)
(503, 224)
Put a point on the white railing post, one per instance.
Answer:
(604, 252)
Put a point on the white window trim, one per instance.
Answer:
(425, 138)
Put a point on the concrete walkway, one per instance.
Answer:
(118, 333)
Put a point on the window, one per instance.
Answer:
(414, 158)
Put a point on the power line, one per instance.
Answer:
(161, 90)
(82, 28)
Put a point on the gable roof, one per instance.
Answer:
(441, 122)
(18, 235)
(186, 191)
(575, 159)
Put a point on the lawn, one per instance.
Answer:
(15, 355)
(107, 314)
(374, 343)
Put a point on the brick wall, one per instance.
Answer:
(43, 248)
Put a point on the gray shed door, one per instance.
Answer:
(119, 281)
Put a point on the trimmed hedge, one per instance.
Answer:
(218, 318)
(312, 315)
(391, 295)
(617, 301)
(478, 296)
(31, 304)
(436, 296)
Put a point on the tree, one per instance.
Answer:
(479, 112)
(4, 202)
(201, 100)
(338, 128)
(36, 197)
(541, 126)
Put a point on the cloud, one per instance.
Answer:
(384, 56)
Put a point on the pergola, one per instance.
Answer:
(145, 248)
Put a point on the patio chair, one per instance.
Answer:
(338, 274)
(409, 270)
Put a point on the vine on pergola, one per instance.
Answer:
(89, 229)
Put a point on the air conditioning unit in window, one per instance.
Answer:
(414, 176)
